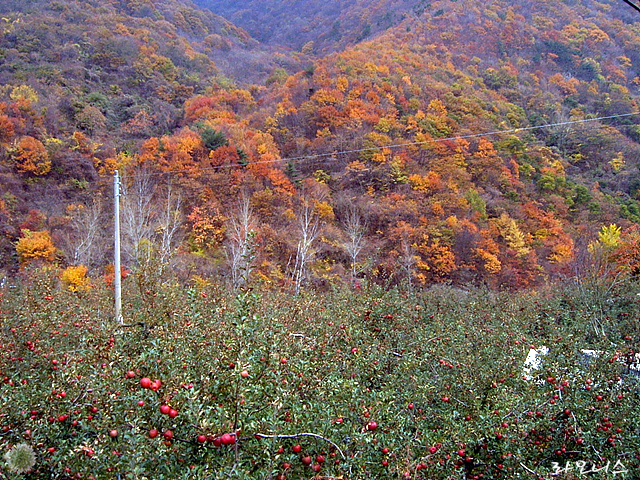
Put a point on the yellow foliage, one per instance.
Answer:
(106, 166)
(357, 166)
(561, 253)
(425, 183)
(398, 172)
(491, 262)
(512, 235)
(377, 139)
(24, 92)
(324, 210)
(308, 47)
(380, 156)
(327, 96)
(342, 84)
(75, 278)
(608, 238)
(624, 61)
(436, 107)
(617, 162)
(386, 124)
(325, 132)
(35, 246)
(289, 214)
(201, 283)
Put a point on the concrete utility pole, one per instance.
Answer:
(116, 262)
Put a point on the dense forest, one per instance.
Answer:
(395, 142)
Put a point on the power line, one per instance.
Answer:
(401, 145)
(632, 5)
(107, 181)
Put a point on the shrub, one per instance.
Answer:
(75, 278)
(35, 247)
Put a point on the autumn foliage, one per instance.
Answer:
(35, 247)
(467, 137)
(75, 278)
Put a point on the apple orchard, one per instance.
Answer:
(200, 383)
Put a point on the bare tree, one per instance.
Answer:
(408, 260)
(151, 224)
(355, 229)
(84, 238)
(169, 226)
(308, 229)
(241, 242)
(138, 214)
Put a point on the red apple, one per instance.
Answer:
(228, 439)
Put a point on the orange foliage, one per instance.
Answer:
(490, 262)
(429, 183)
(225, 155)
(198, 108)
(183, 151)
(110, 276)
(35, 246)
(485, 164)
(566, 86)
(438, 260)
(627, 253)
(151, 152)
(32, 157)
(84, 144)
(7, 129)
(207, 228)
(220, 103)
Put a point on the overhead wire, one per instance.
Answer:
(398, 145)
(632, 5)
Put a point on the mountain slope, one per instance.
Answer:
(122, 58)
(84, 81)
(317, 26)
(468, 143)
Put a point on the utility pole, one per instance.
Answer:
(116, 262)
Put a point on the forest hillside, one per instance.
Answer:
(413, 143)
